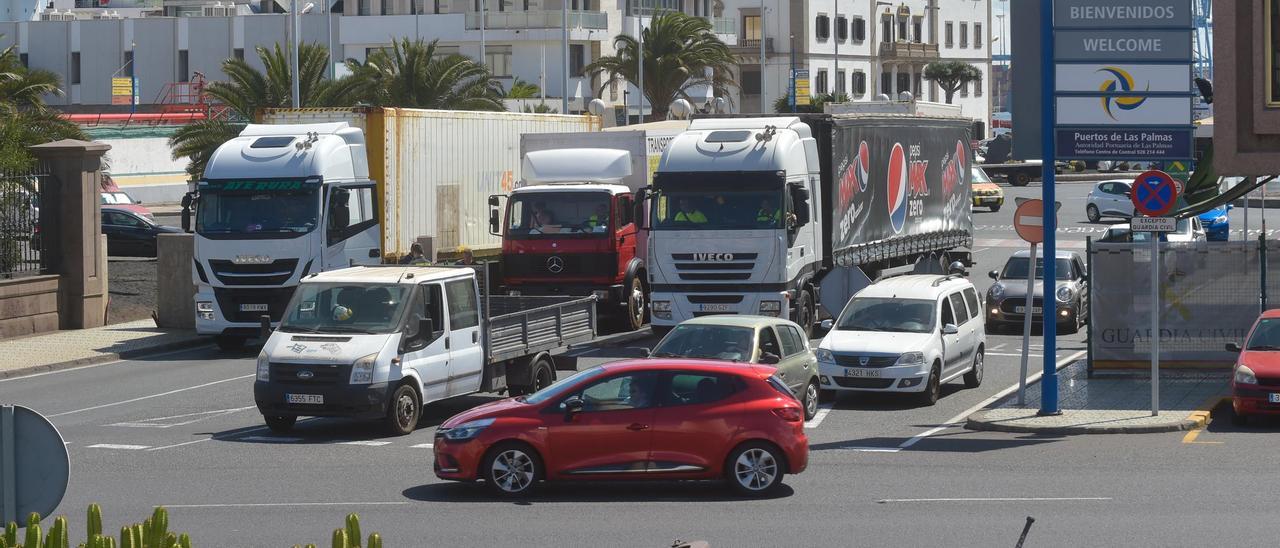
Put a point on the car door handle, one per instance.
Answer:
(636, 427)
(475, 337)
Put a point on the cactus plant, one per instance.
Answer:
(33, 532)
(94, 522)
(184, 541)
(339, 538)
(353, 530)
(140, 534)
(127, 538)
(375, 541)
(11, 534)
(158, 529)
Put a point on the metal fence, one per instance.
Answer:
(20, 241)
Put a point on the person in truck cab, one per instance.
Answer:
(468, 258)
(599, 220)
(416, 256)
(768, 214)
(688, 213)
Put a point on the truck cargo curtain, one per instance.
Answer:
(899, 183)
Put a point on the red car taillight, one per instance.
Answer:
(789, 414)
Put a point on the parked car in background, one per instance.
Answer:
(1217, 223)
(112, 195)
(1007, 298)
(749, 339)
(986, 193)
(130, 234)
(654, 419)
(1255, 380)
(1109, 199)
(906, 334)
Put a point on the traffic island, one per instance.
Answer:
(1108, 405)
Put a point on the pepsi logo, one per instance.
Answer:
(863, 165)
(953, 174)
(855, 177)
(896, 179)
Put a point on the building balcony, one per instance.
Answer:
(546, 19)
(908, 51)
(752, 45)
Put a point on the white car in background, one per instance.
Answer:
(906, 334)
(1109, 198)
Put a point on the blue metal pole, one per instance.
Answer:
(1048, 382)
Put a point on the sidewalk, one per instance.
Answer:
(1109, 404)
(65, 349)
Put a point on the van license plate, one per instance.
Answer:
(1275, 398)
(714, 307)
(862, 373)
(253, 308)
(307, 399)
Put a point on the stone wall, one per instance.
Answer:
(28, 305)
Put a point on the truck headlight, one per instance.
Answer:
(662, 310)
(824, 356)
(770, 308)
(1064, 294)
(264, 367)
(997, 292)
(362, 370)
(1244, 375)
(467, 430)
(914, 359)
(204, 310)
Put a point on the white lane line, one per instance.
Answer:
(1010, 355)
(370, 443)
(872, 449)
(817, 419)
(118, 446)
(179, 444)
(278, 504)
(158, 422)
(269, 439)
(423, 446)
(193, 442)
(958, 419)
(113, 404)
(1003, 499)
(93, 365)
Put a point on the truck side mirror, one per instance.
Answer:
(642, 221)
(493, 200)
(187, 201)
(494, 225)
(1233, 347)
(264, 327)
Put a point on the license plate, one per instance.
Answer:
(307, 399)
(862, 373)
(1023, 309)
(714, 307)
(1274, 398)
(253, 308)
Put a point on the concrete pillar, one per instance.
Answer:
(175, 290)
(893, 83)
(72, 228)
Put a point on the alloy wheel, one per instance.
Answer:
(811, 400)
(513, 471)
(755, 469)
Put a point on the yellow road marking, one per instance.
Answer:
(1202, 417)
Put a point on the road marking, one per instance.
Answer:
(269, 439)
(370, 443)
(1003, 499)
(1203, 415)
(105, 405)
(93, 365)
(1007, 354)
(279, 504)
(157, 421)
(179, 444)
(423, 446)
(118, 446)
(958, 419)
(872, 449)
(193, 442)
(817, 418)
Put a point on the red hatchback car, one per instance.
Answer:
(1255, 384)
(644, 419)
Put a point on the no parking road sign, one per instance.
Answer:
(1154, 193)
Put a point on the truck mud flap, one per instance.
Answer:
(565, 362)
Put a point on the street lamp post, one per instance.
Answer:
(763, 100)
(564, 56)
(293, 26)
(791, 47)
(640, 68)
(873, 49)
(835, 72)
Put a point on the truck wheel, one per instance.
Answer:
(403, 411)
(280, 424)
(541, 375)
(636, 304)
(804, 313)
(229, 343)
(1020, 179)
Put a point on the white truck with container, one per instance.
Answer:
(380, 342)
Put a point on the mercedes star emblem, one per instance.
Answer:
(555, 264)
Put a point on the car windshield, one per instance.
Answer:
(116, 198)
(704, 201)
(887, 314)
(558, 214)
(555, 390)
(1266, 336)
(717, 342)
(345, 308)
(1016, 269)
(267, 208)
(978, 175)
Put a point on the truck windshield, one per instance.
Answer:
(556, 214)
(270, 208)
(718, 201)
(887, 314)
(345, 308)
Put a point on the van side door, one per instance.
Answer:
(351, 226)
(968, 335)
(427, 352)
(952, 345)
(466, 352)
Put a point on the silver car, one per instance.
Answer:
(1007, 298)
(1109, 199)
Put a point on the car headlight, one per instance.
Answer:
(1064, 293)
(1244, 375)
(264, 367)
(467, 430)
(362, 370)
(911, 358)
(824, 356)
(997, 291)
(1220, 220)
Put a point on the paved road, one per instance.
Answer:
(180, 430)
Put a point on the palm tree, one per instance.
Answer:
(25, 119)
(679, 52)
(412, 74)
(248, 89)
(782, 105)
(951, 76)
(521, 89)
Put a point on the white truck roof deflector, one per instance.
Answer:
(601, 165)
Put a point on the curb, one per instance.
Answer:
(105, 358)
(977, 421)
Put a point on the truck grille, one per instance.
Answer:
(230, 301)
(274, 273)
(321, 374)
(569, 265)
(850, 360)
(707, 267)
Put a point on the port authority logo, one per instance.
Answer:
(713, 257)
(555, 264)
(1120, 80)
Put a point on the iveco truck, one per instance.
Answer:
(773, 216)
(277, 203)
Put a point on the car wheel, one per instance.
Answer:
(229, 343)
(1091, 211)
(404, 410)
(811, 398)
(1020, 179)
(973, 378)
(933, 389)
(280, 424)
(512, 469)
(995, 208)
(754, 469)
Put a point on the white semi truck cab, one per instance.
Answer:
(277, 203)
(733, 228)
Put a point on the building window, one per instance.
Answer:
(886, 30)
(498, 59)
(502, 5)
(821, 83)
(902, 29)
(977, 86)
(977, 35)
(385, 7)
(842, 28)
(950, 35)
(859, 29)
(840, 79)
(859, 83)
(886, 85)
(919, 88)
(577, 59)
(75, 68)
(526, 5)
(823, 27)
(964, 89)
(363, 8)
(751, 28)
(22, 58)
(128, 63)
(918, 28)
(964, 35)
(238, 53)
(184, 72)
(751, 82)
